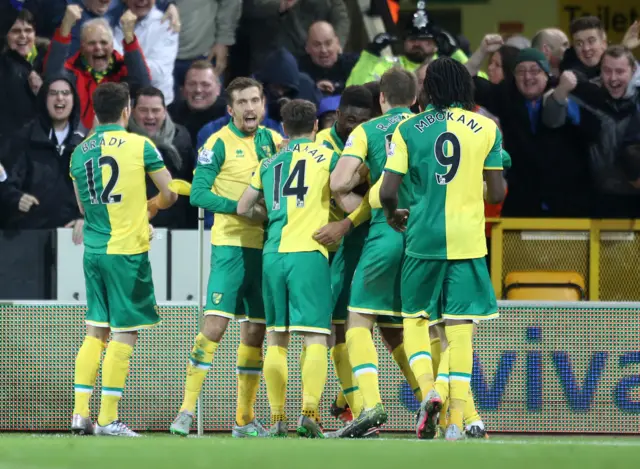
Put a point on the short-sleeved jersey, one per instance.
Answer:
(369, 143)
(109, 169)
(228, 158)
(444, 154)
(295, 184)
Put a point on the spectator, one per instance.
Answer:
(553, 43)
(589, 43)
(518, 41)
(501, 64)
(284, 23)
(608, 110)
(150, 119)
(542, 157)
(328, 112)
(20, 74)
(209, 30)
(283, 80)
(39, 193)
(202, 102)
(423, 41)
(158, 43)
(324, 61)
(97, 62)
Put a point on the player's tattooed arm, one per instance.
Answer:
(249, 207)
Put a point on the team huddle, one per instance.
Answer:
(377, 221)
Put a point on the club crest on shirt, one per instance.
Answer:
(205, 156)
(216, 298)
(267, 151)
(349, 142)
(239, 153)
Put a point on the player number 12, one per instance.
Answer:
(106, 197)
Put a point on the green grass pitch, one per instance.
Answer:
(157, 451)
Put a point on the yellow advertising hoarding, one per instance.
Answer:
(616, 15)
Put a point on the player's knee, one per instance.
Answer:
(311, 338)
(252, 334)
(101, 333)
(214, 327)
(128, 338)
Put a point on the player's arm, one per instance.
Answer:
(80, 206)
(349, 172)
(396, 167)
(493, 167)
(160, 175)
(362, 213)
(210, 161)
(248, 205)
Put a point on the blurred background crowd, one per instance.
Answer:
(567, 101)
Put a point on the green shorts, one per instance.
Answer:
(235, 284)
(297, 292)
(120, 292)
(447, 289)
(343, 267)
(376, 282)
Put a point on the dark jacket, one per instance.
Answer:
(18, 100)
(196, 120)
(181, 215)
(549, 176)
(281, 68)
(337, 75)
(131, 69)
(41, 168)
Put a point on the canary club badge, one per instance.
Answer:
(205, 156)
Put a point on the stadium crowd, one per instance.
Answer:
(567, 105)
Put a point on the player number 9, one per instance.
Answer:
(452, 161)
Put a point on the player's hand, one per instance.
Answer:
(326, 86)
(398, 220)
(363, 172)
(152, 208)
(78, 233)
(128, 24)
(26, 202)
(173, 16)
(72, 15)
(333, 232)
(491, 43)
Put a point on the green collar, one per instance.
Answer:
(336, 138)
(398, 110)
(239, 132)
(109, 127)
(431, 108)
(297, 141)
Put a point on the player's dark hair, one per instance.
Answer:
(241, 84)
(109, 100)
(150, 92)
(356, 96)
(374, 89)
(448, 83)
(399, 86)
(585, 23)
(298, 117)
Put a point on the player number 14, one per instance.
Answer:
(294, 186)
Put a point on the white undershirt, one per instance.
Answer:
(61, 135)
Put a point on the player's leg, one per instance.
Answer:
(249, 356)
(309, 301)
(473, 424)
(132, 308)
(88, 358)
(222, 305)
(274, 290)
(421, 287)
(441, 371)
(468, 296)
(349, 400)
(391, 330)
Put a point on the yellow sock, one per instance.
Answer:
(114, 374)
(87, 365)
(443, 420)
(364, 360)
(200, 360)
(442, 379)
(275, 377)
(348, 384)
(470, 413)
(460, 349)
(435, 355)
(417, 346)
(400, 356)
(249, 368)
(314, 377)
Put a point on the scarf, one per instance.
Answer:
(32, 55)
(163, 139)
(98, 76)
